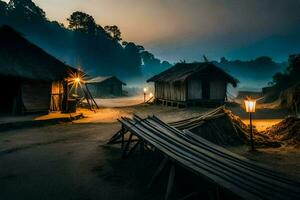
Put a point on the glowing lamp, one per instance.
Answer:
(151, 95)
(77, 80)
(250, 108)
(145, 89)
(250, 105)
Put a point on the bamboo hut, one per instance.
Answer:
(191, 84)
(31, 79)
(105, 86)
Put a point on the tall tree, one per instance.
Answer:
(80, 21)
(114, 32)
(26, 8)
(3, 8)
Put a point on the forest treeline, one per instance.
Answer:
(99, 50)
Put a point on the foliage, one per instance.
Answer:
(84, 43)
(152, 65)
(82, 22)
(290, 76)
(114, 32)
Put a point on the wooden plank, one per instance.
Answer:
(246, 171)
(200, 170)
(212, 165)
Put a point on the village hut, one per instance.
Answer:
(105, 86)
(191, 84)
(31, 80)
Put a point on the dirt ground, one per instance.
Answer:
(72, 160)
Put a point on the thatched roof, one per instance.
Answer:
(21, 58)
(181, 71)
(100, 79)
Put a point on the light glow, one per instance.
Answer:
(250, 105)
(145, 90)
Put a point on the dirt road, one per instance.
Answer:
(71, 161)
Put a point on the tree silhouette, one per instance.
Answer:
(114, 32)
(82, 22)
(27, 9)
(83, 43)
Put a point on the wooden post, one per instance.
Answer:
(142, 144)
(170, 182)
(158, 171)
(122, 137)
(251, 132)
(127, 146)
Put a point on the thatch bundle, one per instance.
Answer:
(224, 128)
(287, 131)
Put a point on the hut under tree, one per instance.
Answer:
(31, 79)
(105, 86)
(192, 83)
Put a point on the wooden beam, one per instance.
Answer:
(170, 182)
(158, 171)
(132, 149)
(127, 145)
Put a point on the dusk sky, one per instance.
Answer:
(187, 29)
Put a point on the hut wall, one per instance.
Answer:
(217, 90)
(36, 96)
(170, 91)
(194, 89)
(56, 96)
(105, 89)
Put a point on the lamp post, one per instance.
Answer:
(250, 108)
(145, 90)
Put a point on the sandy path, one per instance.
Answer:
(71, 161)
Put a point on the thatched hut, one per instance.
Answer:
(192, 83)
(105, 86)
(31, 79)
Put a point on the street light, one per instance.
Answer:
(250, 108)
(145, 90)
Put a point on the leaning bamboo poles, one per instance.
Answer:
(225, 169)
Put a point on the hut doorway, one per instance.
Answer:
(10, 100)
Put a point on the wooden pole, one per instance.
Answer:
(251, 132)
(170, 182)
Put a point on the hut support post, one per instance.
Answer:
(170, 182)
(126, 148)
(158, 171)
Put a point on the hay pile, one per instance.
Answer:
(287, 131)
(222, 127)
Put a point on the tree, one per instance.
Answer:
(3, 8)
(114, 32)
(26, 8)
(80, 21)
(223, 60)
(291, 75)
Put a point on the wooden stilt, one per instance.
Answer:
(158, 171)
(218, 193)
(170, 182)
(127, 145)
(142, 146)
(132, 149)
(122, 138)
